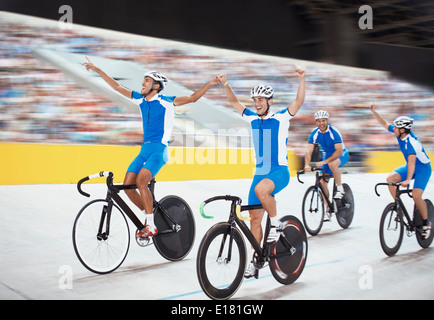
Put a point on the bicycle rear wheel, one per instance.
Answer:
(176, 245)
(221, 261)
(346, 210)
(313, 210)
(101, 237)
(288, 263)
(417, 221)
(391, 230)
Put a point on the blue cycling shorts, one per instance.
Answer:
(152, 156)
(344, 159)
(421, 175)
(278, 174)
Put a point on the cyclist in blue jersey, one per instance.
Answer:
(158, 114)
(270, 136)
(417, 167)
(336, 155)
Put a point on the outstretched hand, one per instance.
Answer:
(221, 78)
(89, 65)
(300, 72)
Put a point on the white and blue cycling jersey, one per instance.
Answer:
(422, 171)
(327, 139)
(411, 145)
(158, 116)
(270, 137)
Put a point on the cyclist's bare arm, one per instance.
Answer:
(379, 118)
(113, 83)
(179, 101)
(299, 100)
(308, 157)
(233, 100)
(338, 152)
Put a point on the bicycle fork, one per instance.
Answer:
(222, 246)
(105, 217)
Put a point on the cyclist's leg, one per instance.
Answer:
(421, 179)
(156, 159)
(263, 191)
(255, 215)
(131, 177)
(335, 165)
(398, 175)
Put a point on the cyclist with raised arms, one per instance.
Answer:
(336, 155)
(158, 114)
(270, 136)
(418, 166)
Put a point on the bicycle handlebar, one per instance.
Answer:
(107, 174)
(303, 172)
(395, 184)
(235, 200)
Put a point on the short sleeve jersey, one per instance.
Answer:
(158, 116)
(327, 140)
(270, 137)
(411, 145)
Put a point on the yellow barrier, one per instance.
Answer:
(23, 163)
(26, 163)
(382, 162)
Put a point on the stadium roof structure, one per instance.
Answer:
(203, 114)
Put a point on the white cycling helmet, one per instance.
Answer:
(262, 91)
(403, 122)
(321, 115)
(160, 78)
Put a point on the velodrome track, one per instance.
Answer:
(38, 260)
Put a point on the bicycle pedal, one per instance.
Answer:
(143, 241)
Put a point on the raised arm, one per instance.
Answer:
(299, 100)
(379, 118)
(233, 100)
(113, 83)
(179, 101)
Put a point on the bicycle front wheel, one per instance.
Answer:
(289, 254)
(176, 228)
(221, 261)
(391, 229)
(101, 237)
(313, 210)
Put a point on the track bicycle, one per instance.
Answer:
(395, 218)
(313, 206)
(221, 259)
(101, 235)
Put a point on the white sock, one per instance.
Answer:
(274, 221)
(341, 189)
(150, 220)
(252, 251)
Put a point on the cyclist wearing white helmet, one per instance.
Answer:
(157, 116)
(336, 155)
(417, 167)
(270, 136)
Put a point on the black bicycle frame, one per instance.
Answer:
(318, 184)
(113, 195)
(261, 252)
(399, 204)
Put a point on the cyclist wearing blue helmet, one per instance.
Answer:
(417, 167)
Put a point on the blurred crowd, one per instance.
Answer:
(38, 103)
